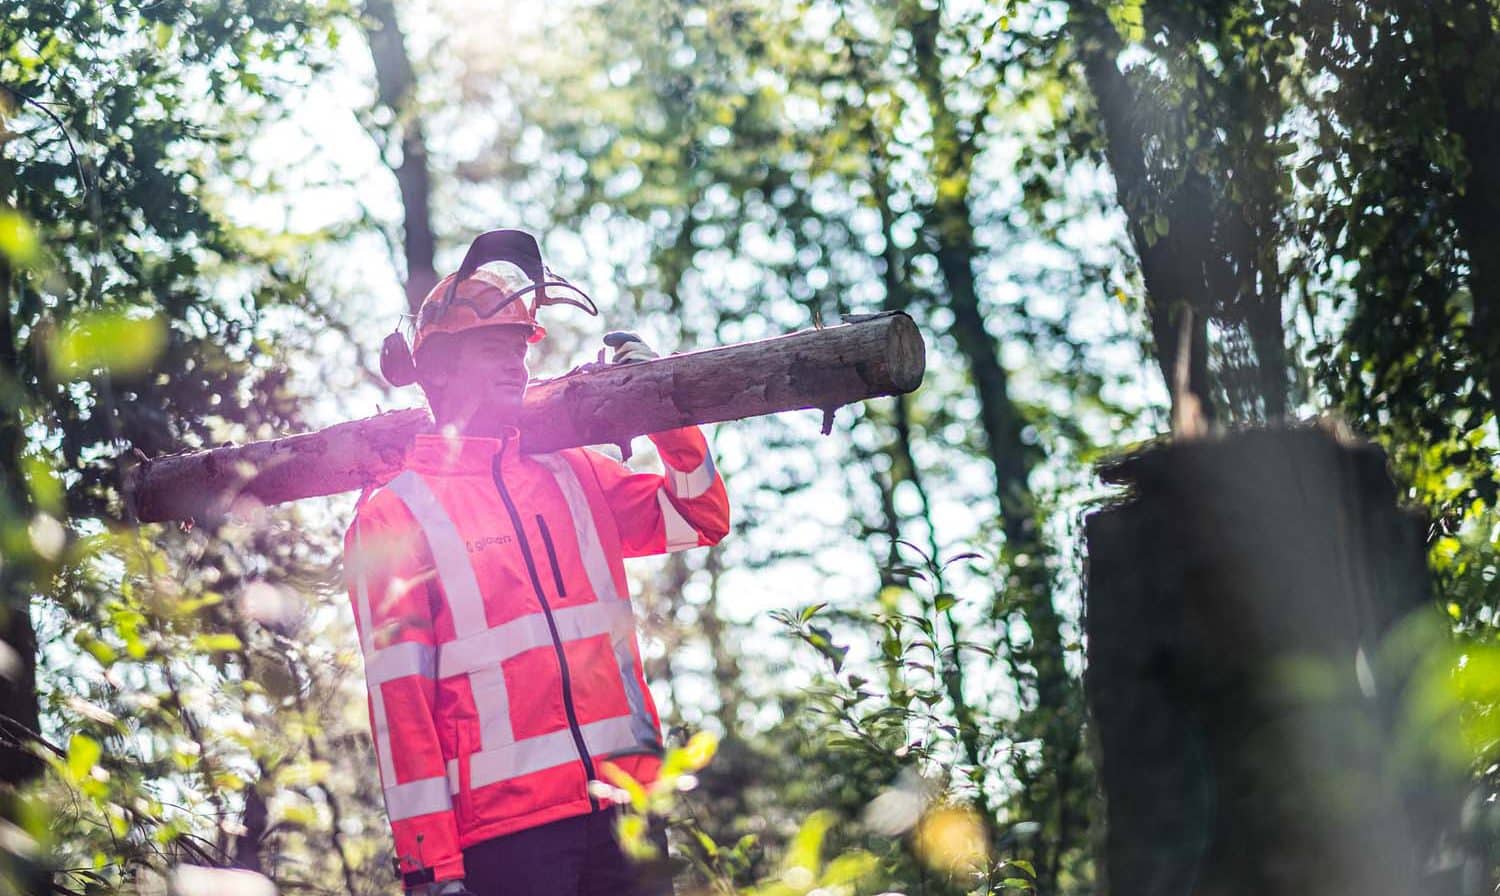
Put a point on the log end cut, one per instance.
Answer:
(905, 354)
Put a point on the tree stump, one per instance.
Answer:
(1240, 598)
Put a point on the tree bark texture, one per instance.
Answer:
(1217, 258)
(1471, 100)
(1238, 602)
(19, 711)
(1166, 294)
(870, 356)
(396, 91)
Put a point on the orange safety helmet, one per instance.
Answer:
(488, 298)
(476, 296)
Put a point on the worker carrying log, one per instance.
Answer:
(484, 560)
(825, 368)
(492, 606)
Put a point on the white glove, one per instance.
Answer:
(629, 347)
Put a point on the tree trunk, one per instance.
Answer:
(1240, 676)
(1027, 555)
(396, 90)
(871, 356)
(19, 715)
(1179, 337)
(1471, 99)
(1216, 259)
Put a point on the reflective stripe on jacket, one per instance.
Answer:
(499, 643)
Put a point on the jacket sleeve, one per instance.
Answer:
(390, 579)
(685, 508)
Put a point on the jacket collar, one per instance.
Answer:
(453, 454)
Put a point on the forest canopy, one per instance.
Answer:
(1118, 226)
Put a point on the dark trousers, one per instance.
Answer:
(574, 857)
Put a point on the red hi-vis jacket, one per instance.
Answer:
(500, 648)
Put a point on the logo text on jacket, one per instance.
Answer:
(480, 544)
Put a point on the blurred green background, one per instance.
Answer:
(1111, 220)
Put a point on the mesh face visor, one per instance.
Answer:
(487, 292)
(488, 303)
(558, 281)
(516, 259)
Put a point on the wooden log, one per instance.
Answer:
(865, 357)
(1243, 605)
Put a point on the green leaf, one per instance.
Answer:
(18, 239)
(229, 780)
(46, 488)
(710, 848)
(849, 868)
(823, 641)
(1128, 18)
(700, 748)
(83, 754)
(118, 342)
(298, 814)
(806, 847)
(303, 773)
(98, 649)
(217, 642)
(631, 831)
(944, 602)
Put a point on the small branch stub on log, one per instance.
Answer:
(822, 369)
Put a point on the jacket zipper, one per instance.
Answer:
(562, 660)
(465, 804)
(551, 555)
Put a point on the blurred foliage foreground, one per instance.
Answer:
(1275, 209)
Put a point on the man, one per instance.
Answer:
(493, 612)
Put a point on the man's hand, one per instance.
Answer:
(628, 347)
(441, 888)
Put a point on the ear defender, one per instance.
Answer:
(396, 363)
